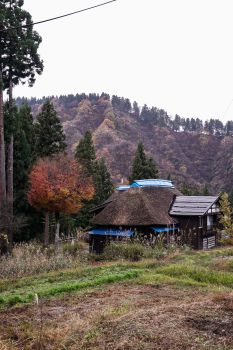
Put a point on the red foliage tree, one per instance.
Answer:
(58, 185)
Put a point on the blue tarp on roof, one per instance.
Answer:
(162, 229)
(152, 183)
(111, 232)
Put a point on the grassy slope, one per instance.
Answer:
(124, 305)
(211, 270)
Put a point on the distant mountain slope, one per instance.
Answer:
(197, 158)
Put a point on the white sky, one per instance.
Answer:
(173, 54)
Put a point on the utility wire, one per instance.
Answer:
(58, 17)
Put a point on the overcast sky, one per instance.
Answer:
(173, 54)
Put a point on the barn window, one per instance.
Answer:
(210, 222)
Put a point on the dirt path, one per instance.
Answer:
(123, 317)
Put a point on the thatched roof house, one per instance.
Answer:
(155, 206)
(147, 206)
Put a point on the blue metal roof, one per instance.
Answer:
(153, 183)
(123, 188)
(111, 232)
(147, 183)
(163, 229)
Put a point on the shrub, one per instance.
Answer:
(227, 241)
(129, 251)
(135, 250)
(74, 249)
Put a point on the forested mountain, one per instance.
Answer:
(190, 151)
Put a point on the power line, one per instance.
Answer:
(58, 17)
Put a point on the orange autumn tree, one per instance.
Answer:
(58, 185)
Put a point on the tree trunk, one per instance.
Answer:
(46, 230)
(2, 149)
(10, 155)
(58, 246)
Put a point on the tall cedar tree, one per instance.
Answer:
(24, 142)
(2, 140)
(19, 62)
(143, 167)
(102, 182)
(85, 154)
(50, 138)
(49, 141)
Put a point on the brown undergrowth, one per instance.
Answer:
(123, 317)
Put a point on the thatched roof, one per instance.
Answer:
(138, 207)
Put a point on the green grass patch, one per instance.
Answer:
(198, 274)
(65, 275)
(66, 283)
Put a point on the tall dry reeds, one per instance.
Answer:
(31, 258)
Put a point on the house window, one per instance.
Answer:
(200, 221)
(210, 221)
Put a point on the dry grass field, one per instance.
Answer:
(181, 301)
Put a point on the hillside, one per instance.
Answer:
(190, 152)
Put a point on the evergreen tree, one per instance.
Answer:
(210, 126)
(199, 125)
(177, 123)
(151, 169)
(187, 125)
(2, 140)
(102, 182)
(50, 137)
(136, 110)
(154, 115)
(115, 101)
(229, 128)
(127, 105)
(49, 141)
(24, 142)
(230, 197)
(193, 126)
(226, 214)
(143, 167)
(188, 190)
(218, 127)
(85, 153)
(206, 191)
(19, 62)
(9, 123)
(145, 113)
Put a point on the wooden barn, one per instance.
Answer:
(152, 209)
(198, 218)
